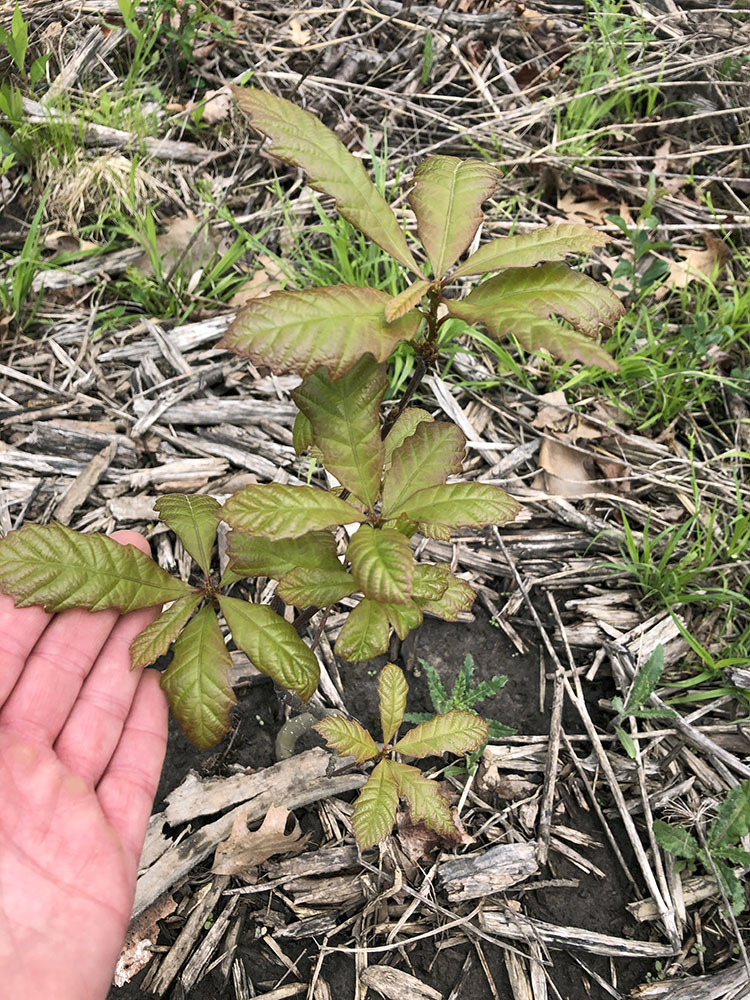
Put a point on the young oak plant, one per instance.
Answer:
(374, 814)
(394, 475)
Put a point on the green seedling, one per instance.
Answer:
(393, 468)
(718, 849)
(464, 695)
(374, 813)
(16, 41)
(644, 684)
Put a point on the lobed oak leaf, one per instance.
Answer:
(457, 731)
(196, 682)
(347, 737)
(245, 849)
(193, 519)
(375, 809)
(156, 638)
(58, 568)
(392, 691)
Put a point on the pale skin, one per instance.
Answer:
(82, 742)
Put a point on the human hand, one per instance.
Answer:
(82, 742)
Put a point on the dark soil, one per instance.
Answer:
(597, 904)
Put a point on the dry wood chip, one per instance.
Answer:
(504, 923)
(492, 871)
(397, 985)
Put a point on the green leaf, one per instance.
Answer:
(302, 436)
(58, 568)
(347, 737)
(382, 564)
(653, 713)
(535, 334)
(345, 420)
(304, 587)
(406, 300)
(458, 731)
(645, 680)
(404, 617)
(197, 681)
(156, 638)
(392, 691)
(365, 633)
(404, 426)
(736, 855)
(424, 798)
(627, 741)
(447, 199)
(438, 695)
(733, 887)
(331, 327)
(277, 510)
(550, 243)
(460, 505)
(550, 289)
(250, 555)
(732, 820)
(429, 582)
(676, 840)
(193, 519)
(426, 458)
(375, 809)
(458, 596)
(498, 731)
(301, 139)
(272, 645)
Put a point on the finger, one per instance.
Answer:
(57, 666)
(128, 786)
(20, 628)
(94, 726)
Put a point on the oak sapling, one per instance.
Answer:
(398, 472)
(456, 731)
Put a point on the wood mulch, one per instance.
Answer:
(95, 425)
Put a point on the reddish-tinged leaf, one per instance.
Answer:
(550, 289)
(330, 327)
(193, 519)
(58, 568)
(272, 645)
(197, 681)
(457, 731)
(156, 638)
(447, 199)
(406, 424)
(425, 458)
(547, 244)
(347, 737)
(277, 510)
(460, 505)
(424, 798)
(301, 139)
(381, 564)
(404, 617)
(251, 555)
(406, 300)
(365, 633)
(303, 586)
(457, 596)
(375, 809)
(392, 691)
(429, 582)
(345, 421)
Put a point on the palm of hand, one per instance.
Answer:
(82, 740)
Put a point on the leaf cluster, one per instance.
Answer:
(644, 684)
(335, 325)
(719, 849)
(456, 731)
